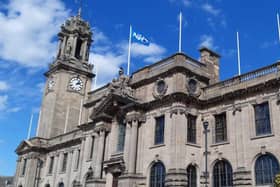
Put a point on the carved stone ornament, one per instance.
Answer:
(193, 87)
(120, 86)
(160, 88)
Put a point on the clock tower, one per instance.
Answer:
(69, 80)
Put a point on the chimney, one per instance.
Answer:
(212, 62)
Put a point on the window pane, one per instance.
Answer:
(64, 163)
(24, 167)
(51, 165)
(157, 175)
(121, 137)
(222, 174)
(262, 119)
(266, 168)
(159, 130)
(192, 178)
(191, 131)
(220, 128)
(91, 147)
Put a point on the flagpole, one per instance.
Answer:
(278, 23)
(38, 124)
(30, 127)
(129, 49)
(180, 32)
(238, 53)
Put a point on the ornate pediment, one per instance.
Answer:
(23, 146)
(118, 95)
(35, 144)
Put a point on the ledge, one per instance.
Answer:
(156, 146)
(262, 136)
(193, 145)
(219, 144)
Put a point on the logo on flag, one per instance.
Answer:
(140, 38)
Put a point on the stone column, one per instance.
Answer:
(63, 45)
(85, 44)
(74, 45)
(100, 154)
(133, 146)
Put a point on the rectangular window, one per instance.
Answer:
(24, 167)
(220, 128)
(159, 130)
(121, 137)
(64, 162)
(91, 148)
(78, 159)
(191, 131)
(51, 165)
(262, 119)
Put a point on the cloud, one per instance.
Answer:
(207, 41)
(28, 29)
(3, 86)
(210, 9)
(14, 109)
(108, 57)
(3, 102)
(148, 52)
(186, 3)
(268, 44)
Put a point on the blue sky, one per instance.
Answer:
(28, 43)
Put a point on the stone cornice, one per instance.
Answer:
(175, 69)
(68, 65)
(135, 116)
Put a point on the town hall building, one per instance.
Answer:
(172, 123)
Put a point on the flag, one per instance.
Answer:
(140, 38)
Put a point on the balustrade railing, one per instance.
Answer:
(274, 68)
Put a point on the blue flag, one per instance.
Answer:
(140, 38)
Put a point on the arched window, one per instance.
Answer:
(222, 174)
(266, 168)
(157, 176)
(192, 177)
(61, 184)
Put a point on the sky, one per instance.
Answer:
(28, 43)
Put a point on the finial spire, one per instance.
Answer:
(80, 9)
(80, 12)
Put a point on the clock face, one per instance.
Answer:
(76, 84)
(51, 84)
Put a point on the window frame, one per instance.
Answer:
(228, 175)
(51, 164)
(194, 182)
(264, 168)
(153, 178)
(191, 129)
(24, 166)
(268, 130)
(223, 129)
(159, 128)
(64, 162)
(121, 137)
(91, 147)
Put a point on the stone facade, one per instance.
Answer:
(80, 141)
